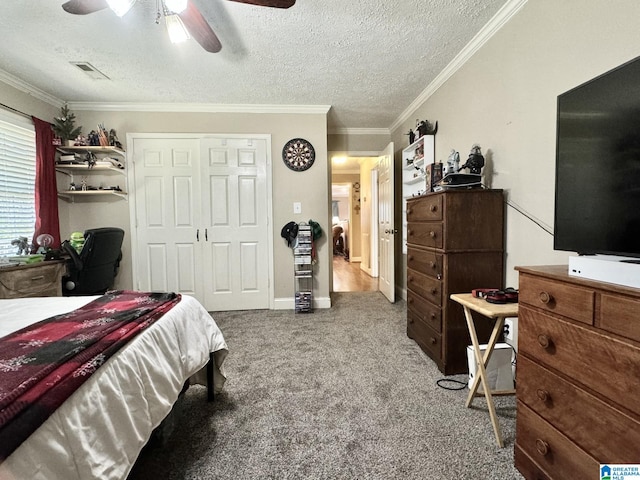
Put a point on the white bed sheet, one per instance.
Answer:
(99, 431)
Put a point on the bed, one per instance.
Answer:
(99, 431)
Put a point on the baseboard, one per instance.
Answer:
(290, 304)
(402, 293)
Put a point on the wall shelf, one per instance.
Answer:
(99, 173)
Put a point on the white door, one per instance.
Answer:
(386, 225)
(201, 219)
(167, 214)
(234, 197)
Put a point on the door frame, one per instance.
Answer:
(131, 198)
(375, 234)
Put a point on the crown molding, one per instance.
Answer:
(35, 92)
(503, 15)
(199, 108)
(359, 131)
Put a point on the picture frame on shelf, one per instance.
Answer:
(433, 174)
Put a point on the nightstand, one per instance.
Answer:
(42, 279)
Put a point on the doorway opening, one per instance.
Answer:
(351, 224)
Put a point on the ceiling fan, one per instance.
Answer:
(182, 17)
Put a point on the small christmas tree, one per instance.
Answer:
(63, 126)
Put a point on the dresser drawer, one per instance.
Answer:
(619, 315)
(425, 286)
(425, 234)
(425, 311)
(425, 262)
(598, 361)
(425, 209)
(38, 280)
(583, 418)
(570, 301)
(428, 339)
(551, 450)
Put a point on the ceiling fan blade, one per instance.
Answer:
(199, 29)
(269, 3)
(83, 7)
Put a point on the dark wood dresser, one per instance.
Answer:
(455, 243)
(578, 375)
(42, 279)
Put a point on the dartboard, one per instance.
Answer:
(298, 154)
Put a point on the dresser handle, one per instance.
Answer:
(432, 234)
(543, 395)
(409, 211)
(546, 298)
(433, 341)
(433, 316)
(542, 447)
(409, 279)
(410, 320)
(433, 208)
(41, 277)
(432, 265)
(409, 232)
(544, 341)
(434, 291)
(410, 258)
(410, 300)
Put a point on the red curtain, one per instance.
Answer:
(47, 220)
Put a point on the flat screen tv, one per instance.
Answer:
(597, 203)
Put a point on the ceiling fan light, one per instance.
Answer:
(176, 6)
(176, 29)
(120, 7)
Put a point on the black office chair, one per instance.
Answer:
(93, 270)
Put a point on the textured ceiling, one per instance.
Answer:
(367, 59)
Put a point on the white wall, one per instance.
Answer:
(504, 98)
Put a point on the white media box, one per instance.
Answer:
(607, 268)
(499, 371)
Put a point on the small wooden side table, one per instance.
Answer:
(41, 279)
(494, 311)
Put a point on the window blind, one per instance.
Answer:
(17, 183)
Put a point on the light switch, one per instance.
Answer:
(297, 207)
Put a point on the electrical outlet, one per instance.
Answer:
(510, 331)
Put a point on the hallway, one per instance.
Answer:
(347, 277)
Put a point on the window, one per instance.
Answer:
(17, 181)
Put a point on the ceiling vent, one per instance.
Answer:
(90, 70)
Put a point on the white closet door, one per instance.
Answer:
(235, 213)
(168, 218)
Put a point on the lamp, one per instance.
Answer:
(176, 29)
(120, 7)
